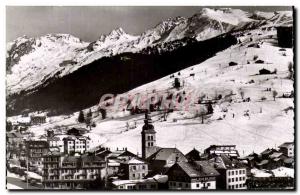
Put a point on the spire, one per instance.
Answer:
(148, 122)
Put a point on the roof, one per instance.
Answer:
(275, 155)
(263, 162)
(197, 169)
(267, 151)
(224, 162)
(90, 158)
(168, 154)
(140, 181)
(288, 160)
(14, 135)
(136, 161)
(118, 153)
(193, 155)
(286, 145)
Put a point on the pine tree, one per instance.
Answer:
(81, 117)
(89, 114)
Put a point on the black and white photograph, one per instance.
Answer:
(150, 98)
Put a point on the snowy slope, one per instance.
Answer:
(252, 126)
(32, 62)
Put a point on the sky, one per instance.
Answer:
(88, 23)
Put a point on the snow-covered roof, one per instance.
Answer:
(284, 172)
(136, 161)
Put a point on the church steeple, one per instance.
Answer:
(148, 137)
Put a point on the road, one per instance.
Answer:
(22, 184)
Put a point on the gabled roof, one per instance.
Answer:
(263, 162)
(224, 162)
(119, 153)
(14, 134)
(275, 155)
(167, 154)
(136, 161)
(197, 169)
(286, 144)
(193, 155)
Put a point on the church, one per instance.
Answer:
(159, 159)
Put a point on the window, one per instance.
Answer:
(240, 171)
(143, 167)
(229, 180)
(236, 179)
(186, 185)
(229, 173)
(232, 172)
(208, 184)
(197, 185)
(236, 172)
(133, 175)
(236, 186)
(134, 167)
(240, 178)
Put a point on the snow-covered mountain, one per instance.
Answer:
(238, 118)
(32, 62)
(244, 101)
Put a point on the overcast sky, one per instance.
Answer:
(88, 23)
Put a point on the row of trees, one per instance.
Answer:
(88, 118)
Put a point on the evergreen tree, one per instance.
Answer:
(81, 117)
(103, 113)
(89, 114)
(210, 109)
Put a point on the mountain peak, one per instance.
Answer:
(117, 32)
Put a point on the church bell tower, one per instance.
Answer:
(148, 137)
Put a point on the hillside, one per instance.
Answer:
(252, 125)
(32, 62)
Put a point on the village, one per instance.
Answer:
(66, 161)
(226, 123)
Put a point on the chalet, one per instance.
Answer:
(192, 176)
(232, 63)
(287, 148)
(259, 62)
(36, 120)
(264, 71)
(133, 169)
(77, 131)
(218, 150)
(233, 174)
